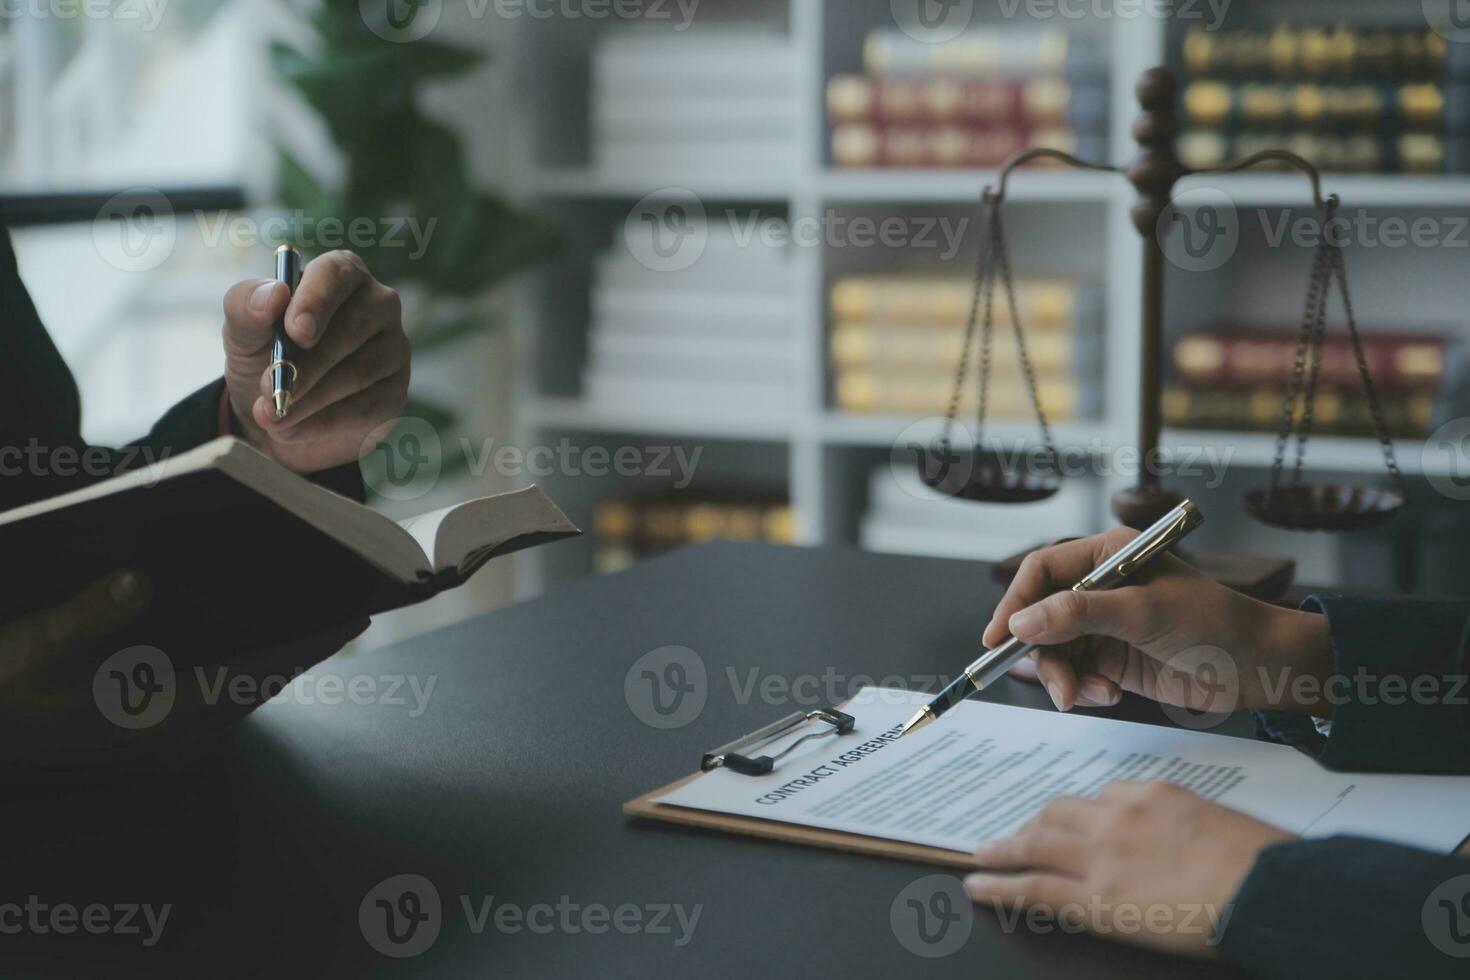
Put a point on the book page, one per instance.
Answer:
(983, 770)
(459, 537)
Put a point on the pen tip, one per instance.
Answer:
(283, 404)
(918, 721)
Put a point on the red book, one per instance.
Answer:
(1404, 362)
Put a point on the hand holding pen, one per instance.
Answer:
(351, 361)
(1142, 638)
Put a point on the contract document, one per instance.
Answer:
(983, 770)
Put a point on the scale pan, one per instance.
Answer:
(1324, 507)
(985, 478)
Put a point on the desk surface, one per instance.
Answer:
(488, 795)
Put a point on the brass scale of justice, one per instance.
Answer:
(982, 475)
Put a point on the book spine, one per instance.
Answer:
(888, 347)
(1256, 105)
(1039, 102)
(628, 530)
(1396, 363)
(1338, 411)
(1288, 52)
(922, 394)
(1008, 52)
(869, 299)
(856, 145)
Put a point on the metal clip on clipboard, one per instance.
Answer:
(733, 757)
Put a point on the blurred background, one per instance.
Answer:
(702, 268)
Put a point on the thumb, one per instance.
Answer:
(251, 310)
(1064, 616)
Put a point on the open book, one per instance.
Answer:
(226, 537)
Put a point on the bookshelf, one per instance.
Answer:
(1079, 221)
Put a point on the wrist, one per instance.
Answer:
(1300, 665)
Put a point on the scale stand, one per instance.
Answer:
(1153, 175)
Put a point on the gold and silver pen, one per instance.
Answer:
(1113, 572)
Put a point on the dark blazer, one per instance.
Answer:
(42, 452)
(1346, 907)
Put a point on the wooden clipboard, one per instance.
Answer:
(645, 807)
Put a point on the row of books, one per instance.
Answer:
(1237, 379)
(1258, 105)
(1347, 99)
(896, 342)
(716, 337)
(632, 529)
(1288, 51)
(721, 98)
(1405, 153)
(968, 102)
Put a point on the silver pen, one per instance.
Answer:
(991, 665)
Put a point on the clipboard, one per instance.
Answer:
(645, 807)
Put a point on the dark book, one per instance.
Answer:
(239, 552)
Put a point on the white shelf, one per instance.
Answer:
(965, 186)
(841, 429)
(575, 415)
(1343, 454)
(589, 182)
(1356, 190)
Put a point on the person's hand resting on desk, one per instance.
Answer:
(1287, 907)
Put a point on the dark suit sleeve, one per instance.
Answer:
(1400, 698)
(196, 420)
(1349, 907)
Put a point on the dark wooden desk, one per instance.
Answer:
(509, 785)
